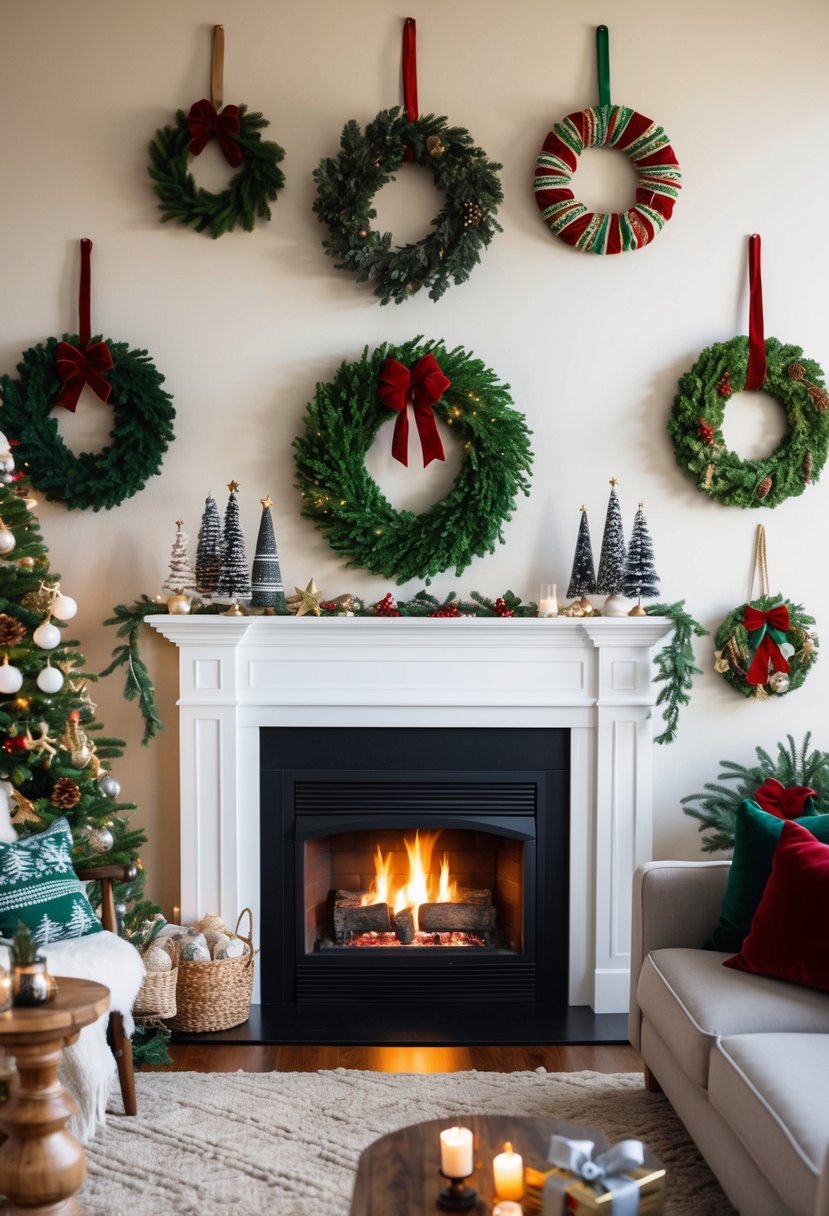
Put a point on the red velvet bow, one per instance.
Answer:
(770, 629)
(424, 384)
(204, 124)
(79, 367)
(789, 803)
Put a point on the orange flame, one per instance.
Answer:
(421, 886)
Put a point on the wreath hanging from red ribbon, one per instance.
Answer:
(766, 647)
(450, 387)
(248, 194)
(127, 384)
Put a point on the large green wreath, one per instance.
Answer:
(349, 508)
(246, 196)
(697, 417)
(347, 183)
(733, 650)
(142, 431)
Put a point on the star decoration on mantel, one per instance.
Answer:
(233, 486)
(266, 502)
(309, 599)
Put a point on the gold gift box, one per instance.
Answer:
(581, 1198)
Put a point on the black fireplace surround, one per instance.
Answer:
(509, 787)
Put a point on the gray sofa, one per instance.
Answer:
(744, 1060)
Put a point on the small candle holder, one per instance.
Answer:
(457, 1197)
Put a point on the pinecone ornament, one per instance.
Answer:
(11, 630)
(434, 146)
(65, 794)
(764, 487)
(473, 214)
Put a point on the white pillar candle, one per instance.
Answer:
(547, 600)
(508, 1172)
(456, 1152)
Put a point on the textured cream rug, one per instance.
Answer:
(287, 1144)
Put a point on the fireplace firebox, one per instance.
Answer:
(414, 867)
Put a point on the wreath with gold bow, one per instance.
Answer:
(766, 647)
(249, 192)
(345, 502)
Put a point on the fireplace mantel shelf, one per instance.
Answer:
(591, 675)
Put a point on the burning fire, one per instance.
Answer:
(421, 886)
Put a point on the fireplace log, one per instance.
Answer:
(404, 926)
(462, 917)
(350, 916)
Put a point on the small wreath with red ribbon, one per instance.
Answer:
(766, 647)
(54, 374)
(345, 502)
(607, 126)
(249, 192)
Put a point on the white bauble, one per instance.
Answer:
(7, 541)
(11, 678)
(46, 636)
(64, 607)
(156, 958)
(50, 679)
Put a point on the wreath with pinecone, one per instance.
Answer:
(465, 225)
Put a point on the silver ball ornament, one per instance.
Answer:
(110, 786)
(7, 540)
(100, 840)
(779, 682)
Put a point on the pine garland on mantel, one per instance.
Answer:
(674, 663)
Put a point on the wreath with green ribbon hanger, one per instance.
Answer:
(767, 646)
(238, 132)
(54, 373)
(345, 502)
(368, 160)
(607, 126)
(765, 365)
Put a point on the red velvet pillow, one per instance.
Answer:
(787, 939)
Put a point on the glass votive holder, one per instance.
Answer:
(547, 601)
(5, 990)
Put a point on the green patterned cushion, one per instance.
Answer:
(38, 885)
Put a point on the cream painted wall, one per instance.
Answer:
(244, 326)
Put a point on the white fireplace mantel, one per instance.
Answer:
(591, 675)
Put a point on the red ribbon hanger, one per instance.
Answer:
(87, 364)
(423, 385)
(756, 374)
(410, 75)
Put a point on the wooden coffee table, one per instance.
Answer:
(41, 1164)
(399, 1175)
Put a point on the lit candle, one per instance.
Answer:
(508, 1171)
(456, 1152)
(5, 990)
(547, 601)
(176, 914)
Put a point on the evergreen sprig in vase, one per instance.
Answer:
(31, 982)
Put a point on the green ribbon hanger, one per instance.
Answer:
(603, 58)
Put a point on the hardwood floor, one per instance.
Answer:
(229, 1057)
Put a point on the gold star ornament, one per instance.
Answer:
(233, 486)
(266, 502)
(309, 600)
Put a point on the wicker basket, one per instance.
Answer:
(157, 995)
(215, 995)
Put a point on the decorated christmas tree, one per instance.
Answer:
(209, 548)
(268, 591)
(641, 580)
(582, 576)
(234, 580)
(53, 760)
(182, 576)
(613, 555)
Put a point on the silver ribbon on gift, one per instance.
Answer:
(607, 1170)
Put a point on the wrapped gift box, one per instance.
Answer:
(583, 1197)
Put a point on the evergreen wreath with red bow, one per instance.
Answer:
(766, 647)
(249, 192)
(126, 381)
(348, 506)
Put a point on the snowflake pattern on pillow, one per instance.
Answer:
(38, 886)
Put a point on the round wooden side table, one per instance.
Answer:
(41, 1164)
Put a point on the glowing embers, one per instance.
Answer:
(423, 907)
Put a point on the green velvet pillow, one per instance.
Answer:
(755, 839)
(38, 885)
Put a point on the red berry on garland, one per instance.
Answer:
(448, 610)
(705, 431)
(501, 608)
(386, 606)
(724, 387)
